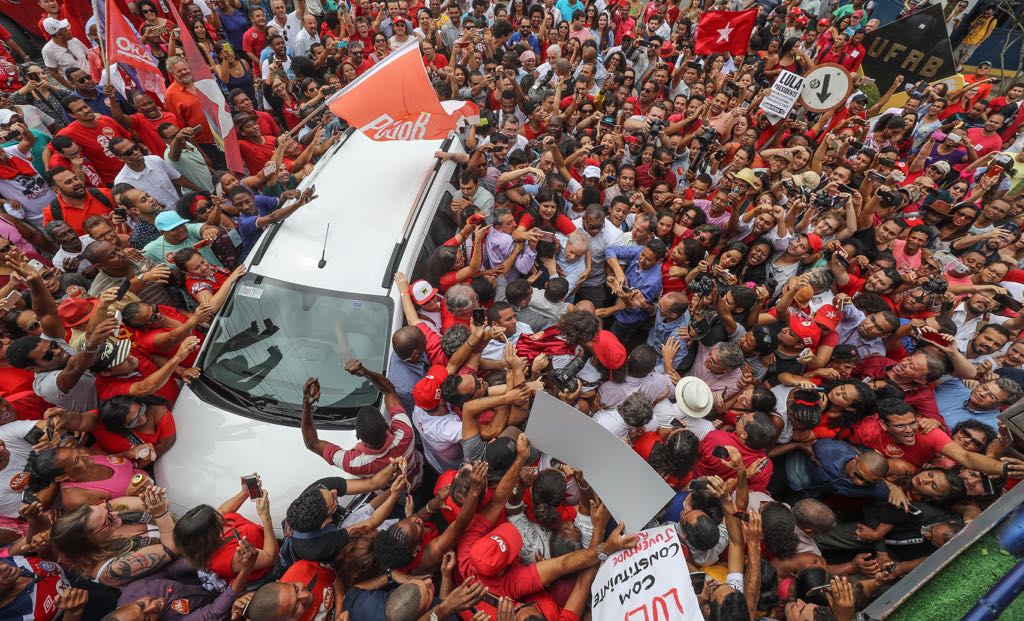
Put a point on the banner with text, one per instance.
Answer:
(648, 583)
(916, 47)
(783, 96)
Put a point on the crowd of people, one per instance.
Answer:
(808, 329)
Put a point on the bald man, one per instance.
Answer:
(413, 350)
(841, 469)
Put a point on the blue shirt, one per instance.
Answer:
(647, 281)
(566, 8)
(404, 375)
(951, 396)
(531, 39)
(247, 226)
(662, 330)
(831, 474)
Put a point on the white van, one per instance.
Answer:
(319, 282)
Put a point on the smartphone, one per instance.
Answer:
(547, 236)
(120, 212)
(33, 436)
(877, 176)
(311, 584)
(884, 161)
(697, 579)
(234, 531)
(252, 486)
(36, 265)
(491, 599)
(744, 105)
(743, 516)
(859, 121)
(122, 289)
(825, 588)
(994, 171)
(1008, 302)
(202, 243)
(846, 188)
(12, 299)
(913, 510)
(720, 452)
(988, 485)
(479, 315)
(28, 497)
(197, 128)
(677, 423)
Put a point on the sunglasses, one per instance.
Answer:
(108, 519)
(33, 326)
(130, 151)
(51, 352)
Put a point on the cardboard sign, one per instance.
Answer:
(783, 96)
(916, 47)
(628, 486)
(647, 583)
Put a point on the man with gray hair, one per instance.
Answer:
(460, 300)
(720, 366)
(982, 403)
(571, 258)
(632, 417)
(602, 234)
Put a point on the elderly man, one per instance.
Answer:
(982, 403)
(182, 99)
(512, 259)
(602, 234)
(912, 375)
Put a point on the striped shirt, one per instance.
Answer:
(364, 461)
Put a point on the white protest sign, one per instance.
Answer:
(826, 87)
(648, 583)
(628, 486)
(782, 97)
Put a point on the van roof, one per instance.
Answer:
(367, 192)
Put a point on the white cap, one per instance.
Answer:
(693, 397)
(6, 116)
(53, 26)
(422, 291)
(592, 171)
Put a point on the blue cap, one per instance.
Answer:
(168, 221)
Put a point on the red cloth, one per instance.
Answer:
(725, 32)
(550, 343)
(922, 398)
(146, 129)
(708, 464)
(117, 443)
(107, 386)
(644, 444)
(562, 223)
(926, 447)
(186, 106)
(220, 563)
(143, 339)
(323, 593)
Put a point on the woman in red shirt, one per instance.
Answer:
(208, 538)
(127, 421)
(549, 217)
(447, 265)
(671, 452)
(203, 281)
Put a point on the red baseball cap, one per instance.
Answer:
(609, 350)
(808, 333)
(828, 317)
(496, 550)
(427, 392)
(814, 241)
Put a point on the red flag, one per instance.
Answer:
(124, 46)
(215, 108)
(394, 100)
(725, 31)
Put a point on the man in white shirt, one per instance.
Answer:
(62, 51)
(502, 314)
(601, 233)
(287, 24)
(305, 37)
(149, 172)
(438, 427)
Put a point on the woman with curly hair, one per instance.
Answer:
(671, 452)
(848, 401)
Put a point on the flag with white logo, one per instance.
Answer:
(721, 32)
(394, 100)
(124, 46)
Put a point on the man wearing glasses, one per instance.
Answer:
(959, 403)
(149, 173)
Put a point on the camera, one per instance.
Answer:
(707, 136)
(936, 286)
(702, 285)
(564, 379)
(658, 126)
(822, 201)
(889, 197)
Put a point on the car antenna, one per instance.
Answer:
(323, 253)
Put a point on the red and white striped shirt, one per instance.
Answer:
(364, 461)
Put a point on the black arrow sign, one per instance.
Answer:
(823, 93)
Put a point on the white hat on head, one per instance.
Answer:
(592, 171)
(53, 26)
(693, 397)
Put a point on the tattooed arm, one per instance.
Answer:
(134, 565)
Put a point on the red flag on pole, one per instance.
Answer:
(215, 108)
(394, 100)
(124, 46)
(725, 31)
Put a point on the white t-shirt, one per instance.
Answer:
(82, 396)
(157, 178)
(613, 422)
(63, 58)
(30, 190)
(442, 438)
(12, 435)
(58, 258)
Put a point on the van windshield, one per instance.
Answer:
(271, 336)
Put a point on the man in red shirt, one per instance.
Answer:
(119, 371)
(984, 139)
(360, 62)
(242, 104)
(896, 433)
(146, 119)
(914, 376)
(255, 38)
(74, 201)
(182, 99)
(754, 433)
(92, 132)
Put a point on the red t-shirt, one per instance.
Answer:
(562, 223)
(116, 443)
(644, 444)
(144, 339)
(107, 386)
(197, 284)
(926, 447)
(92, 178)
(922, 399)
(323, 593)
(253, 41)
(220, 563)
(984, 144)
(145, 129)
(708, 464)
(94, 141)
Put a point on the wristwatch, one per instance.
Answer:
(601, 556)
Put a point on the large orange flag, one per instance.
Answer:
(394, 100)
